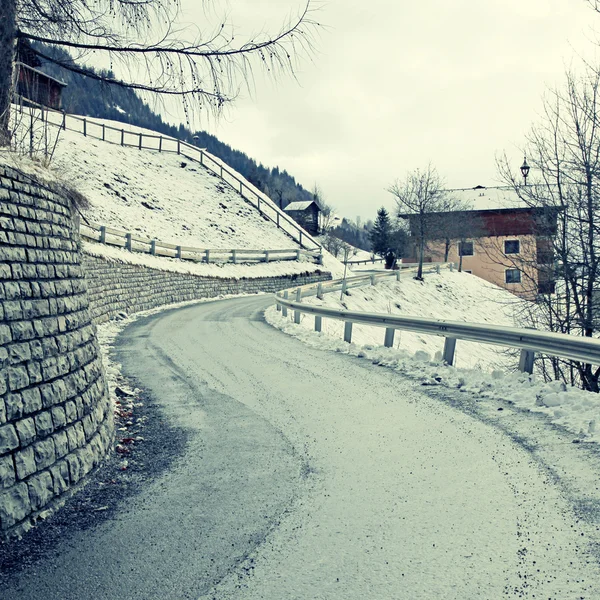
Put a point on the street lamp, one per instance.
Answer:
(525, 169)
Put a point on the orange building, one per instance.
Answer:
(510, 247)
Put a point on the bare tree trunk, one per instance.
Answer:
(8, 30)
(421, 253)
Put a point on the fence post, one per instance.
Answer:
(318, 323)
(153, 247)
(437, 269)
(398, 274)
(297, 313)
(103, 132)
(122, 137)
(344, 287)
(64, 122)
(201, 157)
(160, 144)
(348, 332)
(140, 142)
(526, 361)
(373, 279)
(300, 238)
(266, 256)
(241, 188)
(84, 126)
(128, 244)
(389, 337)
(221, 171)
(320, 257)
(449, 347)
(320, 291)
(297, 254)
(278, 306)
(258, 198)
(207, 255)
(234, 256)
(277, 219)
(178, 147)
(451, 267)
(178, 251)
(284, 308)
(103, 234)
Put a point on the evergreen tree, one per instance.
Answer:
(381, 233)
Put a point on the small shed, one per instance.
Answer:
(37, 87)
(306, 214)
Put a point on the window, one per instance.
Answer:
(465, 249)
(512, 247)
(512, 276)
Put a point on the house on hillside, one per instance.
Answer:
(306, 214)
(34, 85)
(510, 247)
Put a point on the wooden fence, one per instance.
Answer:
(135, 243)
(160, 143)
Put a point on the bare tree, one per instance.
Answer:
(564, 153)
(420, 195)
(142, 37)
(326, 215)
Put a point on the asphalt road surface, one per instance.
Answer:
(314, 475)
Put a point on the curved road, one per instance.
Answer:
(313, 475)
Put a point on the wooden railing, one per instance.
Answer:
(136, 243)
(160, 143)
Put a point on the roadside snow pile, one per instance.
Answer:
(487, 373)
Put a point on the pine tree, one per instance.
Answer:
(381, 233)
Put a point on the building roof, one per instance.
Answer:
(58, 81)
(300, 205)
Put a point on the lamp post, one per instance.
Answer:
(525, 169)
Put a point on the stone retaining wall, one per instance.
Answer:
(55, 418)
(115, 287)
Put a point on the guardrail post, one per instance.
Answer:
(241, 188)
(234, 257)
(153, 247)
(64, 121)
(103, 234)
(201, 157)
(526, 361)
(451, 267)
(278, 220)
(178, 251)
(160, 144)
(266, 256)
(320, 291)
(122, 137)
(372, 279)
(297, 313)
(278, 306)
(140, 142)
(284, 308)
(258, 198)
(344, 287)
(103, 131)
(221, 171)
(398, 276)
(389, 337)
(207, 255)
(128, 244)
(320, 257)
(84, 127)
(449, 347)
(297, 254)
(348, 332)
(178, 146)
(437, 269)
(318, 323)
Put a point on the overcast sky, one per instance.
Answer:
(394, 85)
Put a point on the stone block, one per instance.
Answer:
(32, 400)
(44, 453)
(61, 444)
(59, 418)
(19, 353)
(14, 406)
(35, 372)
(18, 378)
(8, 476)
(22, 330)
(41, 490)
(43, 424)
(74, 468)
(71, 411)
(14, 506)
(25, 463)
(60, 477)
(25, 431)
(8, 439)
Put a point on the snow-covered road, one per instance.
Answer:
(341, 480)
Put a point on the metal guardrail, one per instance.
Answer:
(530, 341)
(364, 261)
(160, 143)
(134, 243)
